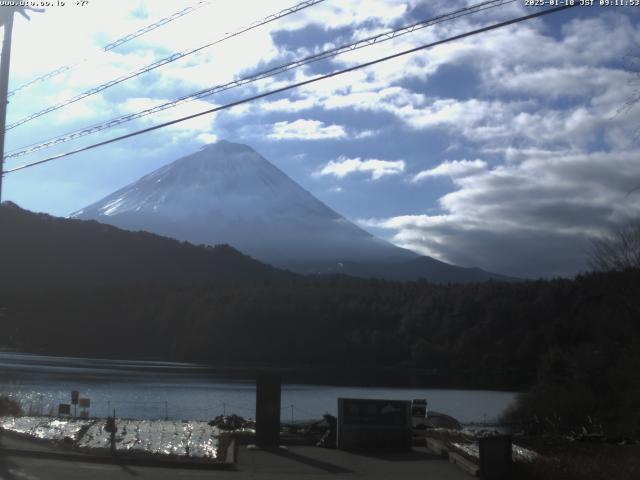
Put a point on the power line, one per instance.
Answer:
(155, 25)
(164, 61)
(366, 42)
(296, 85)
(261, 75)
(116, 43)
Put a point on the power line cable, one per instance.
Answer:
(297, 85)
(114, 44)
(162, 62)
(157, 24)
(366, 42)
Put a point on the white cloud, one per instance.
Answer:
(526, 218)
(207, 138)
(565, 71)
(77, 33)
(454, 169)
(344, 166)
(366, 134)
(304, 129)
(350, 12)
(197, 129)
(289, 106)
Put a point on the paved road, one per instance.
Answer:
(294, 463)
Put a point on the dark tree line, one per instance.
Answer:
(547, 335)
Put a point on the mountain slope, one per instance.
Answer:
(422, 268)
(37, 250)
(228, 193)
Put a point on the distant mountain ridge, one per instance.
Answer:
(228, 193)
(41, 251)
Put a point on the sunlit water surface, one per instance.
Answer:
(158, 390)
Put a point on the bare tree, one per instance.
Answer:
(618, 250)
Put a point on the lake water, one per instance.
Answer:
(154, 390)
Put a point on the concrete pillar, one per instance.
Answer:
(268, 388)
(495, 457)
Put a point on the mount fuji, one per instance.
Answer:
(226, 193)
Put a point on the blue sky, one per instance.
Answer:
(508, 150)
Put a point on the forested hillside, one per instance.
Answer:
(41, 251)
(491, 334)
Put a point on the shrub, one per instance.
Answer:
(578, 393)
(9, 407)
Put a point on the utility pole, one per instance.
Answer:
(6, 19)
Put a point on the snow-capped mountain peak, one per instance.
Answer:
(228, 193)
